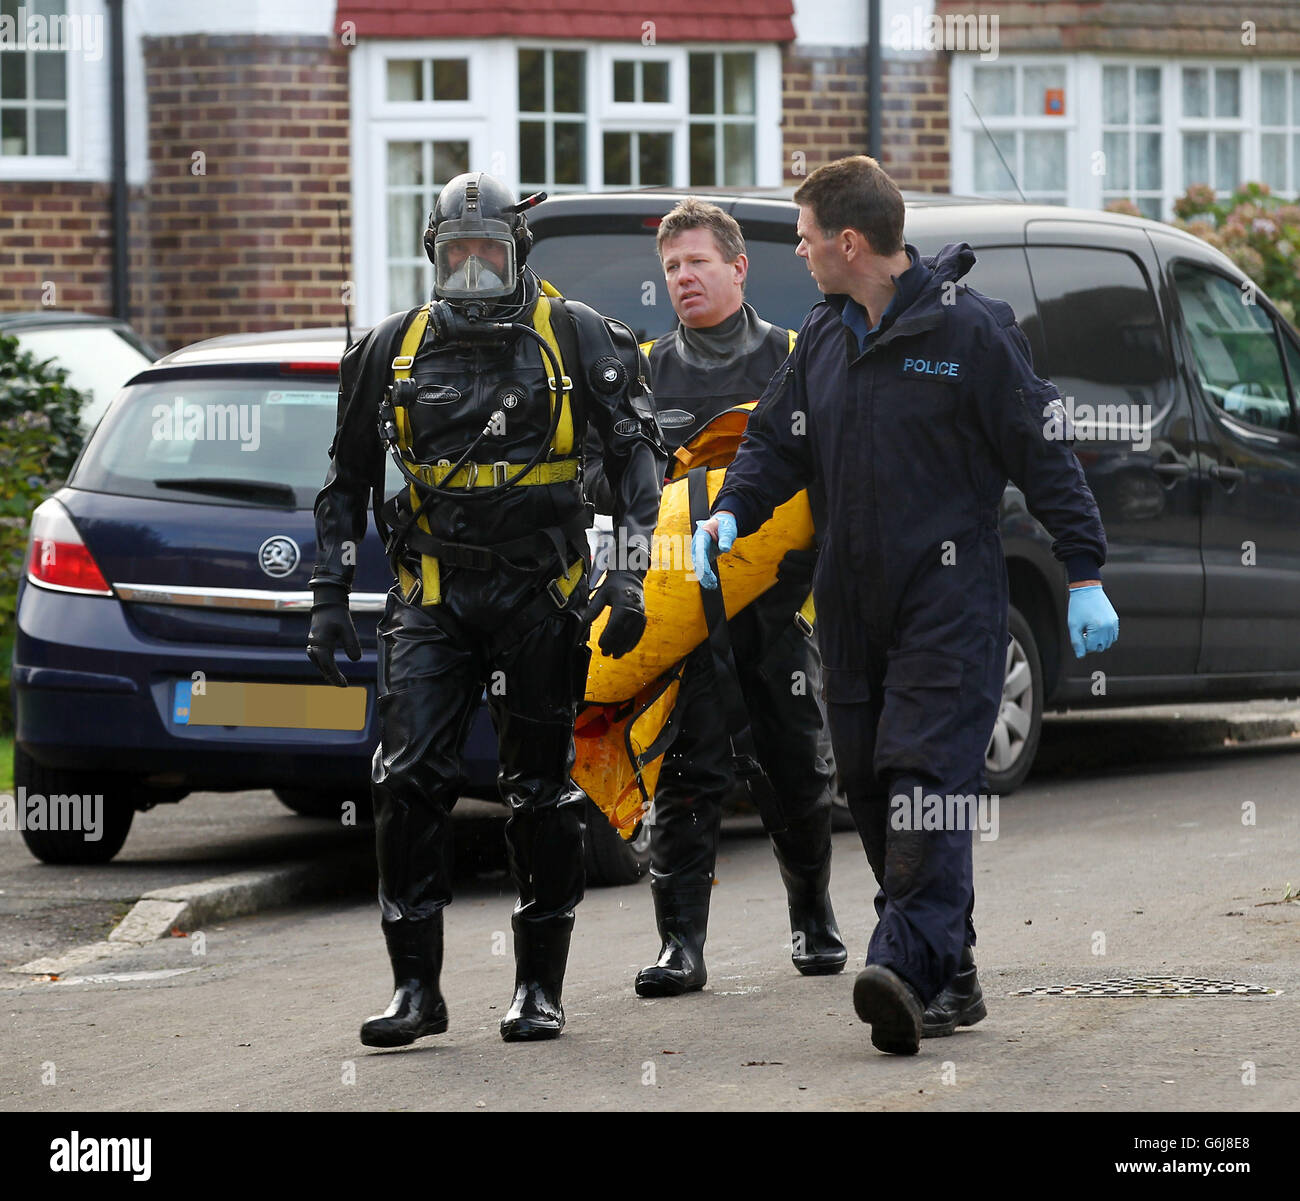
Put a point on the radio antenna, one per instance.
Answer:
(996, 147)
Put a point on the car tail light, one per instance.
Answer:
(321, 368)
(58, 558)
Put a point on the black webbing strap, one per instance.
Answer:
(735, 712)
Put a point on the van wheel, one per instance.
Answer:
(1019, 724)
(612, 859)
(72, 846)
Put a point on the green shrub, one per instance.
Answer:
(40, 437)
(1259, 232)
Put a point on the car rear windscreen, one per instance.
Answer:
(619, 274)
(216, 441)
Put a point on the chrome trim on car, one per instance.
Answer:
(262, 600)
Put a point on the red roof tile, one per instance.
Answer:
(600, 20)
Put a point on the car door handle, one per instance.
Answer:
(1226, 474)
(1172, 471)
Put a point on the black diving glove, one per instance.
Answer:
(624, 595)
(331, 627)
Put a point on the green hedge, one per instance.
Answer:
(40, 437)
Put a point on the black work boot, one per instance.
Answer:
(541, 953)
(417, 1007)
(960, 1004)
(804, 855)
(891, 1006)
(682, 915)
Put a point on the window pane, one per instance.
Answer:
(1147, 106)
(1149, 206)
(1196, 92)
(704, 155)
(51, 131)
(451, 79)
(449, 160)
(567, 82)
(738, 84)
(13, 76)
(570, 156)
(405, 163)
(405, 79)
(1227, 153)
(1234, 349)
(1115, 147)
(990, 175)
(532, 85)
(13, 131)
(618, 159)
(1272, 97)
(9, 8)
(654, 82)
(1196, 159)
(1036, 82)
(532, 151)
(406, 222)
(51, 76)
(656, 159)
(1044, 162)
(995, 91)
(1114, 95)
(738, 150)
(1272, 160)
(1227, 92)
(405, 287)
(1150, 174)
(624, 82)
(702, 97)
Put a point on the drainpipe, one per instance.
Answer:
(121, 235)
(873, 79)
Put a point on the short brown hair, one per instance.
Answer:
(856, 193)
(693, 213)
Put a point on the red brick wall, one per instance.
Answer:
(60, 234)
(253, 242)
(825, 115)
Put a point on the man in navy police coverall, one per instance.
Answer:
(907, 404)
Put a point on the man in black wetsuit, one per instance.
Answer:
(722, 354)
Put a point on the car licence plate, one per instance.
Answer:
(269, 706)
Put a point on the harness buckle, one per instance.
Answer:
(404, 362)
(500, 472)
(804, 624)
(558, 597)
(566, 383)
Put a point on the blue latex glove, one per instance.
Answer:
(702, 545)
(1094, 624)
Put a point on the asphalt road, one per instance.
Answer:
(1153, 857)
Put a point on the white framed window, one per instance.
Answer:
(542, 115)
(1132, 136)
(1213, 125)
(1279, 128)
(1027, 109)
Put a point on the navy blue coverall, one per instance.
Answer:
(905, 437)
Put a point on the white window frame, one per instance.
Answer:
(965, 126)
(1290, 131)
(489, 121)
(1240, 125)
(1133, 129)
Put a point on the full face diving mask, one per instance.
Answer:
(475, 263)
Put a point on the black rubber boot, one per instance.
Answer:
(682, 915)
(541, 953)
(960, 1004)
(891, 1006)
(803, 852)
(417, 1007)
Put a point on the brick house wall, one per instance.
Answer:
(252, 242)
(825, 114)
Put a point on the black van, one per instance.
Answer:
(1183, 383)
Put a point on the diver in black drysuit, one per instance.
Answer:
(697, 374)
(489, 591)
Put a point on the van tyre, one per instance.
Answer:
(1019, 724)
(71, 846)
(610, 858)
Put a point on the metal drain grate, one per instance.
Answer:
(1151, 986)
